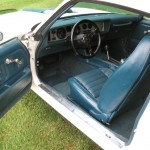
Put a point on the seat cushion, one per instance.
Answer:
(85, 88)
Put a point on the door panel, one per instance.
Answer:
(142, 28)
(15, 74)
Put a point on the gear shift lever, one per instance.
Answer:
(107, 52)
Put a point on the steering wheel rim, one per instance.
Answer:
(85, 40)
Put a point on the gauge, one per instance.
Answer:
(89, 25)
(84, 26)
(77, 30)
(61, 33)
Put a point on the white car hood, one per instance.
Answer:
(20, 22)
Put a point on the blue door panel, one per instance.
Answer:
(15, 76)
(138, 33)
(2, 73)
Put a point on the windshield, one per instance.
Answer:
(90, 8)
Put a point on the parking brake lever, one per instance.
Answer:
(107, 52)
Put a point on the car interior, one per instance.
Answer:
(100, 63)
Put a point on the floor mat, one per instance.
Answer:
(58, 77)
(62, 88)
(61, 71)
(123, 124)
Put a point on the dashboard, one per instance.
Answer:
(111, 26)
(64, 32)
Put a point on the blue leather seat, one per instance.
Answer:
(104, 95)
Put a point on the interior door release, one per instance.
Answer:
(10, 61)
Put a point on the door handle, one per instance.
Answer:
(147, 31)
(10, 61)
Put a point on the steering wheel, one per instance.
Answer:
(85, 38)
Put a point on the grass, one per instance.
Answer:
(32, 124)
(15, 4)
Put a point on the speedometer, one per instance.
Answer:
(61, 33)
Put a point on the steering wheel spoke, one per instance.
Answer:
(87, 43)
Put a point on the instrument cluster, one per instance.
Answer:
(62, 33)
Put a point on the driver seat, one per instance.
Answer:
(106, 96)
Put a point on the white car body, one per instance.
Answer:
(96, 131)
(20, 22)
